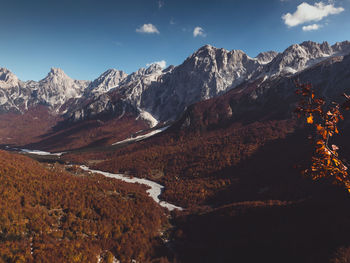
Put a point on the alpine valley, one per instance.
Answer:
(218, 136)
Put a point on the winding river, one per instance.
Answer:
(154, 191)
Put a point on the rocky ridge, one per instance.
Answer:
(155, 94)
(54, 91)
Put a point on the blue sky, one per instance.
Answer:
(87, 37)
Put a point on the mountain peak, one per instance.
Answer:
(317, 49)
(326, 47)
(57, 73)
(8, 78)
(4, 73)
(113, 73)
(341, 46)
(292, 47)
(212, 52)
(153, 68)
(207, 46)
(309, 43)
(266, 57)
(108, 80)
(205, 50)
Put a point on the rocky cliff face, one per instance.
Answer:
(299, 57)
(210, 71)
(104, 83)
(206, 74)
(270, 99)
(157, 94)
(54, 91)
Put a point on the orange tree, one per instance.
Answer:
(324, 118)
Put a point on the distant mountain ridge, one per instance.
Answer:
(155, 94)
(208, 73)
(54, 91)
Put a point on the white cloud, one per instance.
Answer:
(147, 29)
(161, 63)
(172, 22)
(311, 27)
(160, 4)
(307, 13)
(198, 31)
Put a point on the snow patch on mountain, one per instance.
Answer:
(298, 57)
(142, 137)
(266, 57)
(8, 79)
(154, 94)
(57, 88)
(210, 72)
(146, 116)
(104, 83)
(54, 90)
(38, 152)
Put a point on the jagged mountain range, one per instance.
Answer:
(54, 91)
(155, 94)
(269, 99)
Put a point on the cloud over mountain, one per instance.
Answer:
(311, 27)
(308, 13)
(148, 29)
(198, 31)
(161, 63)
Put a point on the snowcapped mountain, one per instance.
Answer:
(54, 91)
(9, 90)
(163, 94)
(267, 99)
(124, 97)
(8, 79)
(266, 57)
(104, 83)
(299, 57)
(159, 95)
(209, 72)
(57, 88)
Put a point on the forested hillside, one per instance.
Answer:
(50, 215)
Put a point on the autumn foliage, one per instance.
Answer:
(324, 117)
(189, 164)
(49, 214)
